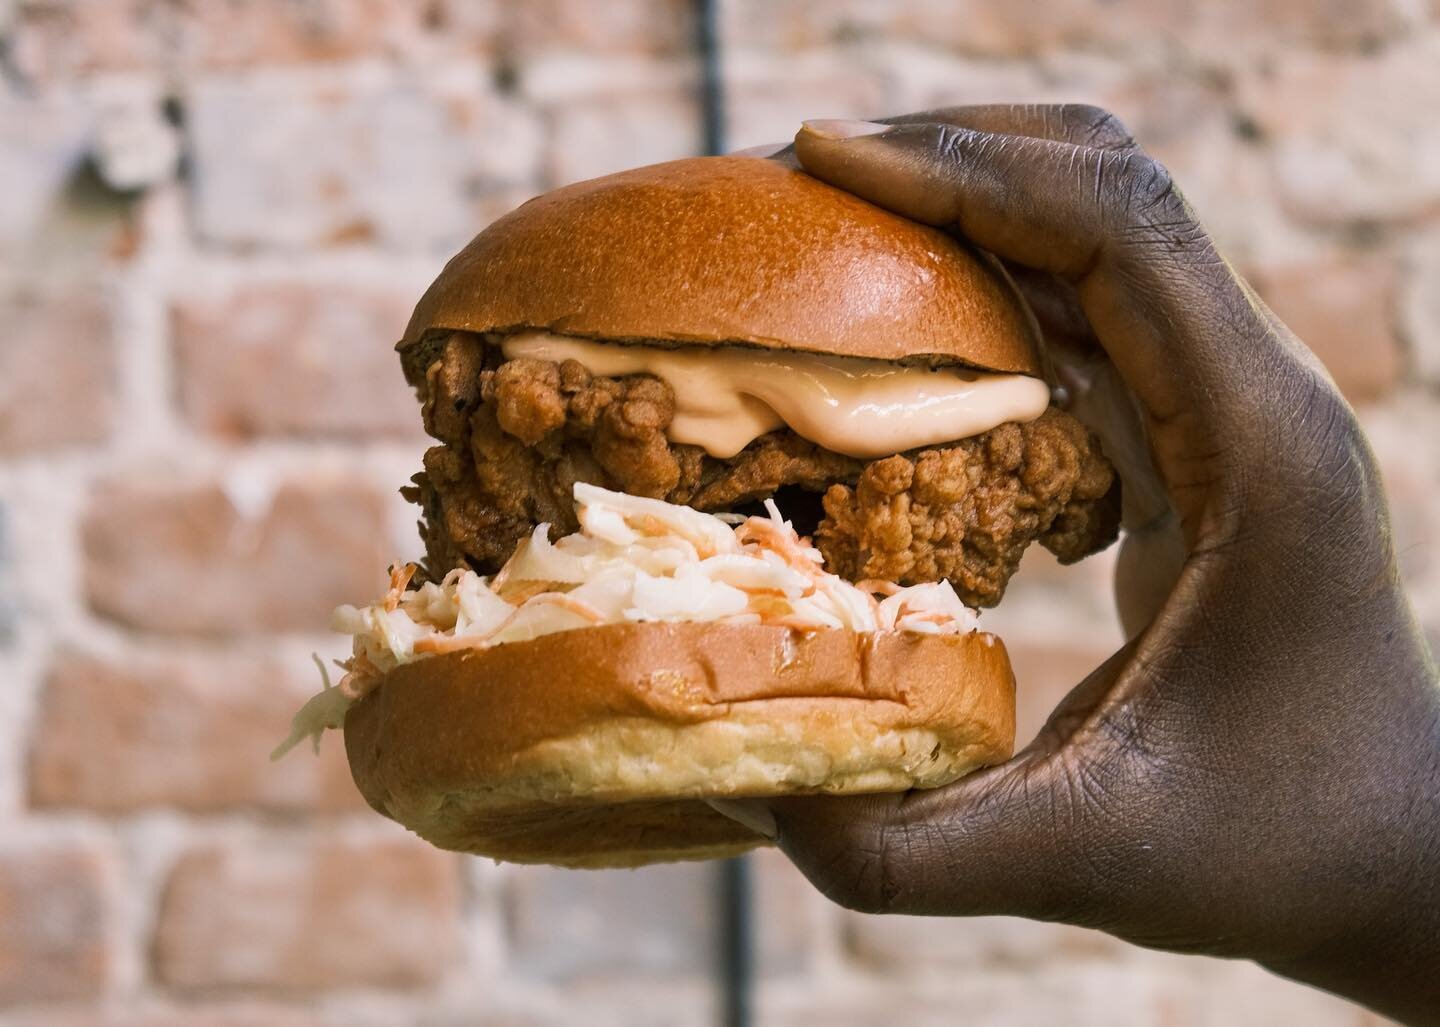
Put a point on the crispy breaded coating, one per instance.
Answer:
(967, 511)
(517, 434)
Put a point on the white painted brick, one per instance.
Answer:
(1420, 313)
(298, 160)
(1345, 140)
(43, 142)
(602, 136)
(767, 96)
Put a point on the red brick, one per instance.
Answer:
(650, 27)
(1411, 475)
(1343, 308)
(496, 205)
(308, 915)
(1422, 309)
(786, 25)
(1039, 570)
(652, 922)
(56, 905)
(1342, 148)
(64, 38)
(295, 360)
(975, 27)
(1054, 621)
(592, 137)
(184, 731)
(1148, 989)
(1049, 994)
(1033, 27)
(175, 556)
(787, 913)
(1045, 672)
(9, 608)
(1187, 123)
(44, 139)
(766, 99)
(465, 26)
(1217, 32)
(494, 1017)
(296, 160)
(57, 370)
(901, 944)
(201, 1014)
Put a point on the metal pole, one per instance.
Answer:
(733, 886)
(736, 955)
(712, 87)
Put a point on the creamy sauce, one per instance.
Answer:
(727, 396)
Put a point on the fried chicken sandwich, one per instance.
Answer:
(725, 460)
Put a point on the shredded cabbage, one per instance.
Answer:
(633, 560)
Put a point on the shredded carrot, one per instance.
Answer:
(798, 623)
(928, 617)
(761, 590)
(437, 644)
(523, 592)
(779, 540)
(768, 606)
(399, 577)
(649, 525)
(560, 599)
(655, 526)
(568, 602)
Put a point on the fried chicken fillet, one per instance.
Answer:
(516, 435)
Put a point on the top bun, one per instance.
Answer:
(731, 250)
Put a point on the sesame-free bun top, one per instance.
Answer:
(714, 250)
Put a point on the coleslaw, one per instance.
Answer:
(633, 560)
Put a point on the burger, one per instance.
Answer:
(725, 462)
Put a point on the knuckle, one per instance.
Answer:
(860, 876)
(1147, 185)
(1146, 211)
(1088, 125)
(950, 142)
(1329, 456)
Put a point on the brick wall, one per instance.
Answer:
(214, 218)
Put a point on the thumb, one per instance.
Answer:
(972, 848)
(976, 847)
(1031, 837)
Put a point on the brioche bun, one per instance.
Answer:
(597, 747)
(725, 250)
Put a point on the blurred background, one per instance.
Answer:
(214, 218)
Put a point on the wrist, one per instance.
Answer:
(1382, 945)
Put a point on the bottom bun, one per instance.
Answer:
(598, 747)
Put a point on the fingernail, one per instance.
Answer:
(763, 150)
(751, 812)
(844, 128)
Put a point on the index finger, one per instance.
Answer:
(1080, 124)
(1216, 383)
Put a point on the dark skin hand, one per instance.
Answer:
(1256, 773)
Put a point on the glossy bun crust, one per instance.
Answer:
(713, 250)
(597, 747)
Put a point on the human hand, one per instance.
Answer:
(1256, 773)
